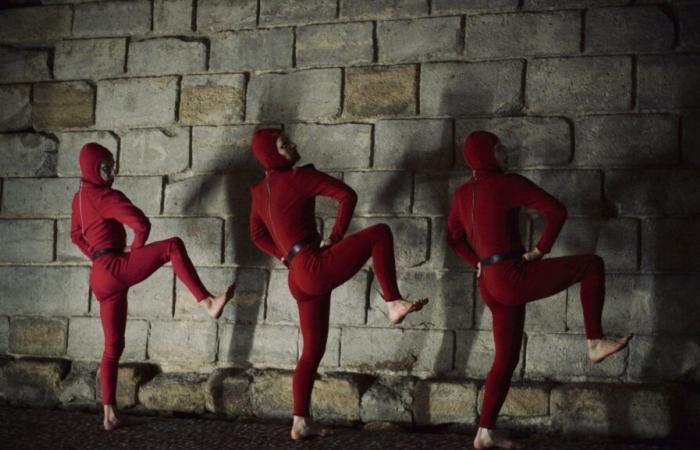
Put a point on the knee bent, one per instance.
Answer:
(176, 243)
(383, 230)
(597, 263)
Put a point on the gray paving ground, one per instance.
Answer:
(22, 428)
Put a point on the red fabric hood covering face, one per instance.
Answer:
(265, 149)
(479, 151)
(91, 155)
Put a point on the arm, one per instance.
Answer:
(76, 231)
(319, 183)
(117, 206)
(457, 237)
(261, 236)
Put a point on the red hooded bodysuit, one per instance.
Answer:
(483, 222)
(282, 214)
(99, 214)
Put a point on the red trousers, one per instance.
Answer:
(110, 279)
(313, 275)
(506, 287)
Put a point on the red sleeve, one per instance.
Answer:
(76, 228)
(315, 182)
(457, 236)
(261, 236)
(117, 206)
(529, 195)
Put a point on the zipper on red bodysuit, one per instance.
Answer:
(269, 205)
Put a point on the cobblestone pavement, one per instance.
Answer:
(22, 428)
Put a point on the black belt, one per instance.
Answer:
(299, 246)
(104, 251)
(500, 257)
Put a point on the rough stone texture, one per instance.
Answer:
(664, 358)
(276, 12)
(507, 35)
(271, 395)
(389, 399)
(27, 154)
(145, 193)
(460, 6)
(136, 102)
(475, 352)
(361, 9)
(16, 112)
(228, 392)
(380, 91)
(439, 402)
(23, 65)
(491, 87)
(79, 386)
(69, 145)
(654, 192)
(441, 256)
(93, 58)
(668, 81)
(547, 315)
(212, 99)
(334, 44)
(112, 18)
(380, 192)
(579, 191)
(579, 84)
(154, 151)
(202, 236)
(555, 4)
(688, 16)
(153, 297)
(47, 291)
(38, 197)
(262, 344)
(691, 139)
(130, 377)
(413, 144)
(252, 49)
(35, 24)
(42, 336)
(166, 56)
(626, 30)
(350, 143)
(207, 195)
(86, 340)
(172, 16)
(307, 94)
(659, 253)
(34, 382)
(410, 237)
(4, 335)
(196, 343)
(223, 149)
(174, 392)
(433, 192)
(214, 15)
(63, 105)
(523, 401)
(419, 39)
(239, 248)
(336, 398)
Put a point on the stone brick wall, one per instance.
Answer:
(598, 99)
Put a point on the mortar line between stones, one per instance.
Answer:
(153, 11)
(634, 106)
(193, 16)
(582, 36)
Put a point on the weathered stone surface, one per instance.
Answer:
(172, 16)
(504, 35)
(460, 6)
(144, 192)
(639, 411)
(547, 315)
(441, 256)
(429, 39)
(302, 95)
(214, 15)
(92, 58)
(410, 237)
(4, 335)
(43, 336)
(252, 49)
(166, 56)
(228, 392)
(668, 81)
(202, 236)
(34, 382)
(342, 146)
(490, 87)
(433, 192)
(336, 398)
(210, 195)
(79, 386)
(19, 65)
(379, 9)
(136, 102)
(601, 83)
(130, 377)
(523, 401)
(38, 197)
(644, 29)
(439, 402)
(223, 149)
(153, 297)
(174, 392)
(659, 253)
(654, 192)
(413, 144)
(212, 99)
(112, 18)
(334, 44)
(48, 291)
(39, 24)
(276, 12)
(531, 141)
(667, 358)
(16, 112)
(475, 352)
(27, 154)
(198, 339)
(240, 249)
(691, 139)
(69, 145)
(271, 394)
(63, 105)
(579, 191)
(86, 340)
(154, 151)
(271, 345)
(555, 4)
(688, 16)
(389, 399)
(380, 91)
(381, 192)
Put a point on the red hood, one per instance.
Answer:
(91, 155)
(265, 149)
(479, 151)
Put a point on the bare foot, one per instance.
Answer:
(110, 421)
(215, 305)
(486, 438)
(305, 427)
(599, 349)
(399, 309)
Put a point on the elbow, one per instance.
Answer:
(351, 197)
(143, 226)
(561, 213)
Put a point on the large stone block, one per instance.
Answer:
(490, 87)
(39, 24)
(172, 16)
(380, 91)
(4, 335)
(336, 398)
(91, 58)
(19, 65)
(16, 113)
(153, 297)
(276, 12)
(460, 6)
(49, 291)
(381, 192)
(215, 15)
(413, 144)
(212, 99)
(688, 16)
(79, 386)
(262, 344)
(175, 392)
(433, 192)
(86, 341)
(668, 82)
(271, 394)
(507, 35)
(350, 143)
(475, 352)
(198, 343)
(410, 237)
(252, 49)
(130, 377)
(691, 139)
(27, 154)
(654, 192)
(334, 44)
(63, 105)
(144, 192)
(659, 253)
(219, 195)
(154, 151)
(223, 149)
(547, 315)
(579, 191)
(38, 197)
(664, 358)
(601, 83)
(69, 145)
(438, 402)
(42, 336)
(202, 236)
(522, 401)
(228, 392)
(380, 9)
(302, 95)
(34, 382)
(136, 102)
(430, 39)
(112, 18)
(166, 56)
(643, 29)
(389, 399)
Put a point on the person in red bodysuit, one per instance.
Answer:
(282, 224)
(99, 214)
(483, 231)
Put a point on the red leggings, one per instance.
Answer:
(111, 277)
(506, 288)
(313, 275)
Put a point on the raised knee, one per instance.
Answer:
(383, 230)
(176, 243)
(597, 263)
